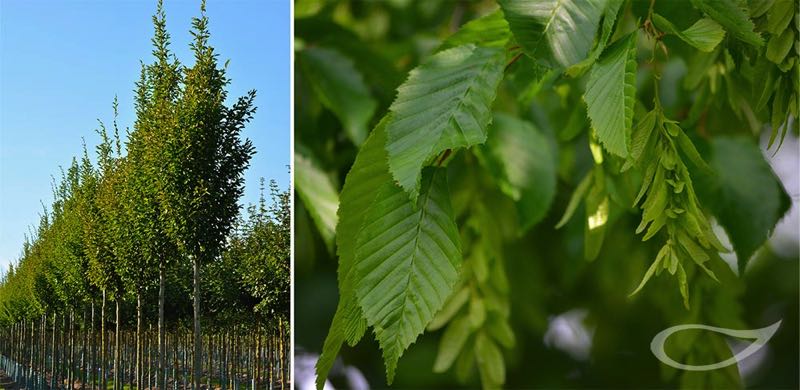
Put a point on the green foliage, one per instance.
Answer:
(519, 107)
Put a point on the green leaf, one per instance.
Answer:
(519, 155)
(490, 362)
(451, 307)
(610, 94)
(779, 45)
(705, 34)
(734, 16)
(368, 173)
(575, 199)
(596, 221)
(407, 262)
(451, 344)
(319, 195)
(746, 197)
(609, 19)
(640, 138)
(488, 31)
(559, 33)
(340, 87)
(662, 254)
(780, 15)
(444, 104)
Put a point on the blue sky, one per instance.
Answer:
(62, 63)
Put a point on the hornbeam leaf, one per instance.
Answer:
(407, 263)
(745, 195)
(610, 95)
(734, 16)
(520, 156)
(368, 173)
(340, 87)
(609, 19)
(319, 196)
(488, 31)
(444, 104)
(705, 34)
(557, 32)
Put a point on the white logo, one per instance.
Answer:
(761, 335)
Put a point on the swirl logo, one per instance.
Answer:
(761, 337)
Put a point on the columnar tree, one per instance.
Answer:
(205, 158)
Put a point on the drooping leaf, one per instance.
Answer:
(575, 199)
(705, 34)
(340, 87)
(487, 31)
(779, 45)
(519, 155)
(490, 361)
(407, 261)
(610, 94)
(368, 173)
(319, 195)
(746, 197)
(734, 16)
(444, 104)
(452, 343)
(609, 19)
(559, 33)
(780, 15)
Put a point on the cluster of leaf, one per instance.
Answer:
(670, 200)
(506, 105)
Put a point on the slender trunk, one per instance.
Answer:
(71, 367)
(139, 339)
(93, 347)
(116, 347)
(162, 346)
(84, 345)
(198, 351)
(53, 354)
(103, 379)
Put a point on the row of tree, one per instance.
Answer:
(156, 219)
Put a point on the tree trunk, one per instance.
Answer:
(103, 379)
(139, 339)
(116, 347)
(198, 347)
(162, 346)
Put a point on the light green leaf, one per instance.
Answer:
(559, 33)
(318, 194)
(575, 199)
(451, 307)
(451, 344)
(487, 31)
(407, 262)
(610, 94)
(779, 45)
(609, 19)
(490, 362)
(705, 34)
(640, 138)
(687, 147)
(501, 331)
(340, 87)
(444, 104)
(734, 16)
(745, 195)
(330, 349)
(520, 156)
(662, 254)
(780, 15)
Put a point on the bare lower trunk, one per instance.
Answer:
(139, 339)
(162, 346)
(116, 348)
(198, 341)
(103, 379)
